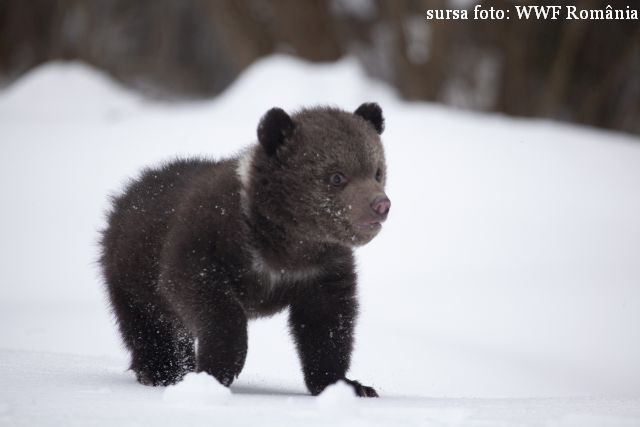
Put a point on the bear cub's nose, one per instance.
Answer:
(381, 205)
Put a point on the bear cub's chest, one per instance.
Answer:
(267, 291)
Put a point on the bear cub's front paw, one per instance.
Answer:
(361, 390)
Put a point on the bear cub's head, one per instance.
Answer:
(319, 175)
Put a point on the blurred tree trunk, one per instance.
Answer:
(557, 81)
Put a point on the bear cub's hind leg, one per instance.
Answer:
(162, 351)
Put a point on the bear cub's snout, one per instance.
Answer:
(381, 206)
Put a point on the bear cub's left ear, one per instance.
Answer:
(275, 126)
(371, 112)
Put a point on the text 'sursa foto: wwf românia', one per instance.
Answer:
(195, 248)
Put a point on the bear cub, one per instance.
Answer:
(196, 248)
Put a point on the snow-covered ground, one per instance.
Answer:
(504, 289)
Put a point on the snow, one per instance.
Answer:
(338, 399)
(503, 290)
(197, 389)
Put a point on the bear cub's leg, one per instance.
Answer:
(219, 323)
(322, 324)
(162, 351)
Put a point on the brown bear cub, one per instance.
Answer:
(196, 248)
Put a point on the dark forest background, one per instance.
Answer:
(581, 71)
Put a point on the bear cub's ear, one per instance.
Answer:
(275, 126)
(371, 112)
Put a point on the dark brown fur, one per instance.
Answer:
(195, 248)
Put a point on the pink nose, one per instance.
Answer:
(381, 205)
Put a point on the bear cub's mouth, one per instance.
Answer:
(370, 225)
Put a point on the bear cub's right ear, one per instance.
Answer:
(275, 126)
(371, 112)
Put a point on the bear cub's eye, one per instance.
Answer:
(337, 179)
(379, 175)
